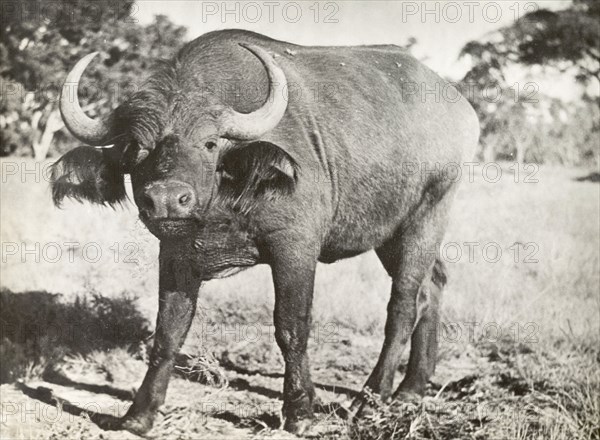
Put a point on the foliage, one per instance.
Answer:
(529, 394)
(526, 125)
(570, 37)
(42, 40)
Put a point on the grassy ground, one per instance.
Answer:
(519, 351)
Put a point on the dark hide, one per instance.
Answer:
(142, 116)
(87, 174)
(355, 164)
(440, 274)
(258, 170)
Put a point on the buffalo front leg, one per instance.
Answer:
(294, 282)
(178, 292)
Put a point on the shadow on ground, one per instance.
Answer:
(592, 177)
(37, 329)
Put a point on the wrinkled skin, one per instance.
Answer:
(328, 182)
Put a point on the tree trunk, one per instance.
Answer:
(53, 124)
(520, 147)
(489, 149)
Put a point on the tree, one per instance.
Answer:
(42, 40)
(565, 39)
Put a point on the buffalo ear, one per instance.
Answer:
(85, 173)
(256, 170)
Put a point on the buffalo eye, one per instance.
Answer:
(210, 145)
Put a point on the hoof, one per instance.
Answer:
(365, 410)
(298, 412)
(297, 427)
(107, 422)
(408, 397)
(365, 405)
(136, 425)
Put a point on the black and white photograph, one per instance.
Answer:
(354, 220)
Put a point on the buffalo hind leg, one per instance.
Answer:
(409, 258)
(178, 292)
(424, 340)
(293, 278)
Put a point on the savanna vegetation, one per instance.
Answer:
(41, 40)
(519, 356)
(519, 344)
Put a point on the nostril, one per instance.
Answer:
(184, 199)
(148, 202)
(166, 199)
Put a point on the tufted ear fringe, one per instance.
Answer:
(259, 170)
(86, 174)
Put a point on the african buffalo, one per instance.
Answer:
(285, 176)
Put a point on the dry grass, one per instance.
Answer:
(538, 378)
(558, 214)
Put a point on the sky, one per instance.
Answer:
(440, 27)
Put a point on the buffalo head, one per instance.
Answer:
(186, 150)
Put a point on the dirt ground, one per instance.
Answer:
(518, 359)
(481, 393)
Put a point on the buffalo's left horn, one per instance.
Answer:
(84, 128)
(249, 126)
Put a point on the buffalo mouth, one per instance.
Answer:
(172, 227)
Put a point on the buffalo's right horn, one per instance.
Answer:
(84, 128)
(250, 126)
